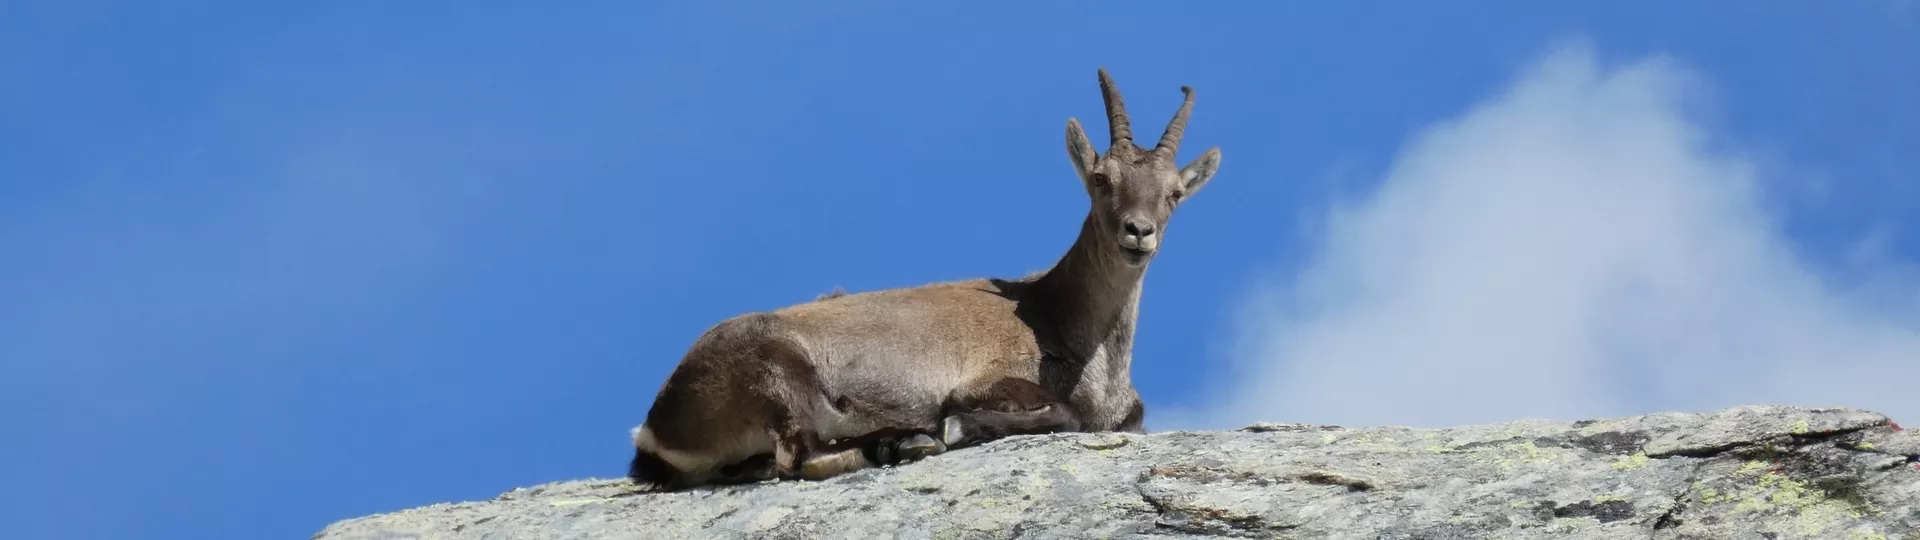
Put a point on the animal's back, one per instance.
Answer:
(907, 347)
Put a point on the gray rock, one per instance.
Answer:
(1761, 473)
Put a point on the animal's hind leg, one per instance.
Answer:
(800, 454)
(888, 446)
(798, 410)
(793, 447)
(1136, 419)
(918, 446)
(891, 436)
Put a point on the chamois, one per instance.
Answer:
(848, 381)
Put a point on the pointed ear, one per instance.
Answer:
(1197, 173)
(1080, 150)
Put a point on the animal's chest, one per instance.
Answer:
(1101, 394)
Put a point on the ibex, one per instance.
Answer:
(851, 380)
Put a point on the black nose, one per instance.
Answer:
(1138, 227)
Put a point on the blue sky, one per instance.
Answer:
(269, 266)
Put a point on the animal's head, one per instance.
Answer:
(1134, 189)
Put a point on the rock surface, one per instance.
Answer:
(1771, 473)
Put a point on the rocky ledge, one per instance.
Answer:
(1761, 472)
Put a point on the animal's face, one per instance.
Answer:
(1135, 190)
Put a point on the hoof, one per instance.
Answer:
(919, 447)
(886, 451)
(950, 432)
(834, 464)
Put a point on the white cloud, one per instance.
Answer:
(1574, 247)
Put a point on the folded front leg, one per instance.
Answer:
(1001, 408)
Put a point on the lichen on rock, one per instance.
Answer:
(1749, 472)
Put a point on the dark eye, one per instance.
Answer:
(1174, 196)
(1101, 181)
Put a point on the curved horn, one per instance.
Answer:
(1170, 141)
(1116, 111)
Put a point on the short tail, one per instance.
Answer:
(648, 469)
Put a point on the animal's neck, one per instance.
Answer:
(1093, 300)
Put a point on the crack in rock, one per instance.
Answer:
(1671, 518)
(1210, 474)
(1747, 426)
(1604, 512)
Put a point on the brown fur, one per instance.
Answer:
(826, 386)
